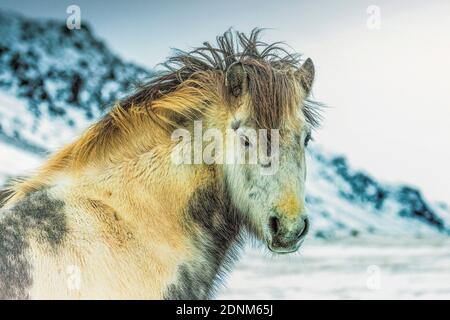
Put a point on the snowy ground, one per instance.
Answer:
(15, 162)
(369, 269)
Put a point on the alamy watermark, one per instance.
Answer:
(246, 146)
(73, 21)
(373, 280)
(374, 17)
(73, 278)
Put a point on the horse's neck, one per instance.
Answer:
(216, 233)
(185, 202)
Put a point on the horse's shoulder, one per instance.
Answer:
(38, 215)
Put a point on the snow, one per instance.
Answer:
(16, 162)
(49, 133)
(384, 268)
(337, 210)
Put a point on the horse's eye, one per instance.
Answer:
(308, 139)
(245, 141)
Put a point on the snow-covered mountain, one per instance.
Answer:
(344, 201)
(65, 78)
(54, 82)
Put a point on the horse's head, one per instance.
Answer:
(256, 96)
(271, 190)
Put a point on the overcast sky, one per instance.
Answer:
(388, 89)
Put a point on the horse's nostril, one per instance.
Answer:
(267, 164)
(274, 225)
(305, 229)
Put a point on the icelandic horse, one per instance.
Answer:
(111, 216)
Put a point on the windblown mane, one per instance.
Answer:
(191, 82)
(267, 66)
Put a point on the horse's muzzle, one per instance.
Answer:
(287, 239)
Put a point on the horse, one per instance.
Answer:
(110, 216)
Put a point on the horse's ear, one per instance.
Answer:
(236, 79)
(306, 75)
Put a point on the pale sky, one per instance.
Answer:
(388, 89)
